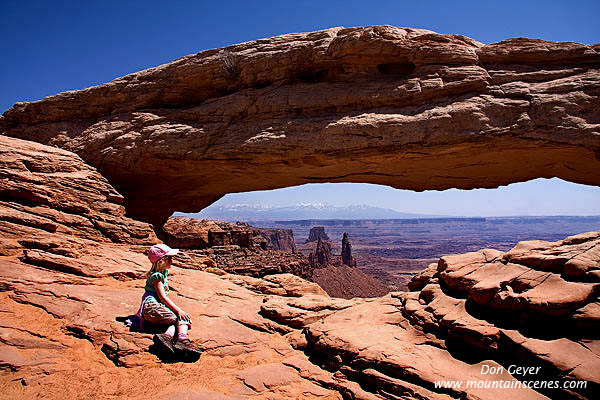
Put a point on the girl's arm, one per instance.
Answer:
(160, 291)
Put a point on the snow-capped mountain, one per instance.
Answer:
(257, 212)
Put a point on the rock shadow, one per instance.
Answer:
(168, 357)
(158, 349)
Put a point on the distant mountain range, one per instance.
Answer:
(253, 212)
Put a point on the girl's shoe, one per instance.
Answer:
(186, 345)
(165, 340)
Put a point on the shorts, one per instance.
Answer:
(158, 313)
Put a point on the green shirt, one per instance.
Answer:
(158, 276)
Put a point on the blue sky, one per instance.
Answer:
(50, 47)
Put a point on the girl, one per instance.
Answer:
(156, 306)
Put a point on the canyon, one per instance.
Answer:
(242, 249)
(88, 179)
(394, 250)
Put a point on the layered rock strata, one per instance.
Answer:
(536, 304)
(237, 248)
(316, 233)
(242, 249)
(71, 272)
(189, 233)
(403, 107)
(238, 260)
(58, 213)
(63, 300)
(444, 110)
(279, 239)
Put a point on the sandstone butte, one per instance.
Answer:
(403, 107)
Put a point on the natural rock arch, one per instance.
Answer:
(408, 108)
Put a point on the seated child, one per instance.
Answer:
(158, 309)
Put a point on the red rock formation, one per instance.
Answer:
(242, 249)
(321, 256)
(65, 283)
(189, 233)
(538, 302)
(71, 264)
(347, 282)
(235, 247)
(257, 263)
(347, 258)
(279, 239)
(316, 233)
(477, 309)
(54, 208)
(338, 279)
(380, 100)
(302, 107)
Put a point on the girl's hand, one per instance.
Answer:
(183, 316)
(160, 291)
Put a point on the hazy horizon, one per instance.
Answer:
(538, 197)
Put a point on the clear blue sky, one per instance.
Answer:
(49, 47)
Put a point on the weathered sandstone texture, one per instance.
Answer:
(279, 239)
(54, 209)
(237, 248)
(408, 108)
(239, 260)
(71, 271)
(537, 304)
(316, 233)
(190, 233)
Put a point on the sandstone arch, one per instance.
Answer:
(407, 108)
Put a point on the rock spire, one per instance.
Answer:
(347, 251)
(321, 255)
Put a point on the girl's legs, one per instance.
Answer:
(182, 328)
(183, 343)
(171, 330)
(159, 314)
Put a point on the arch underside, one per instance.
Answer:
(400, 107)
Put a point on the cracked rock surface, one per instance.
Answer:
(403, 107)
(72, 266)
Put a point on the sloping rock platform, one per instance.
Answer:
(408, 108)
(71, 270)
